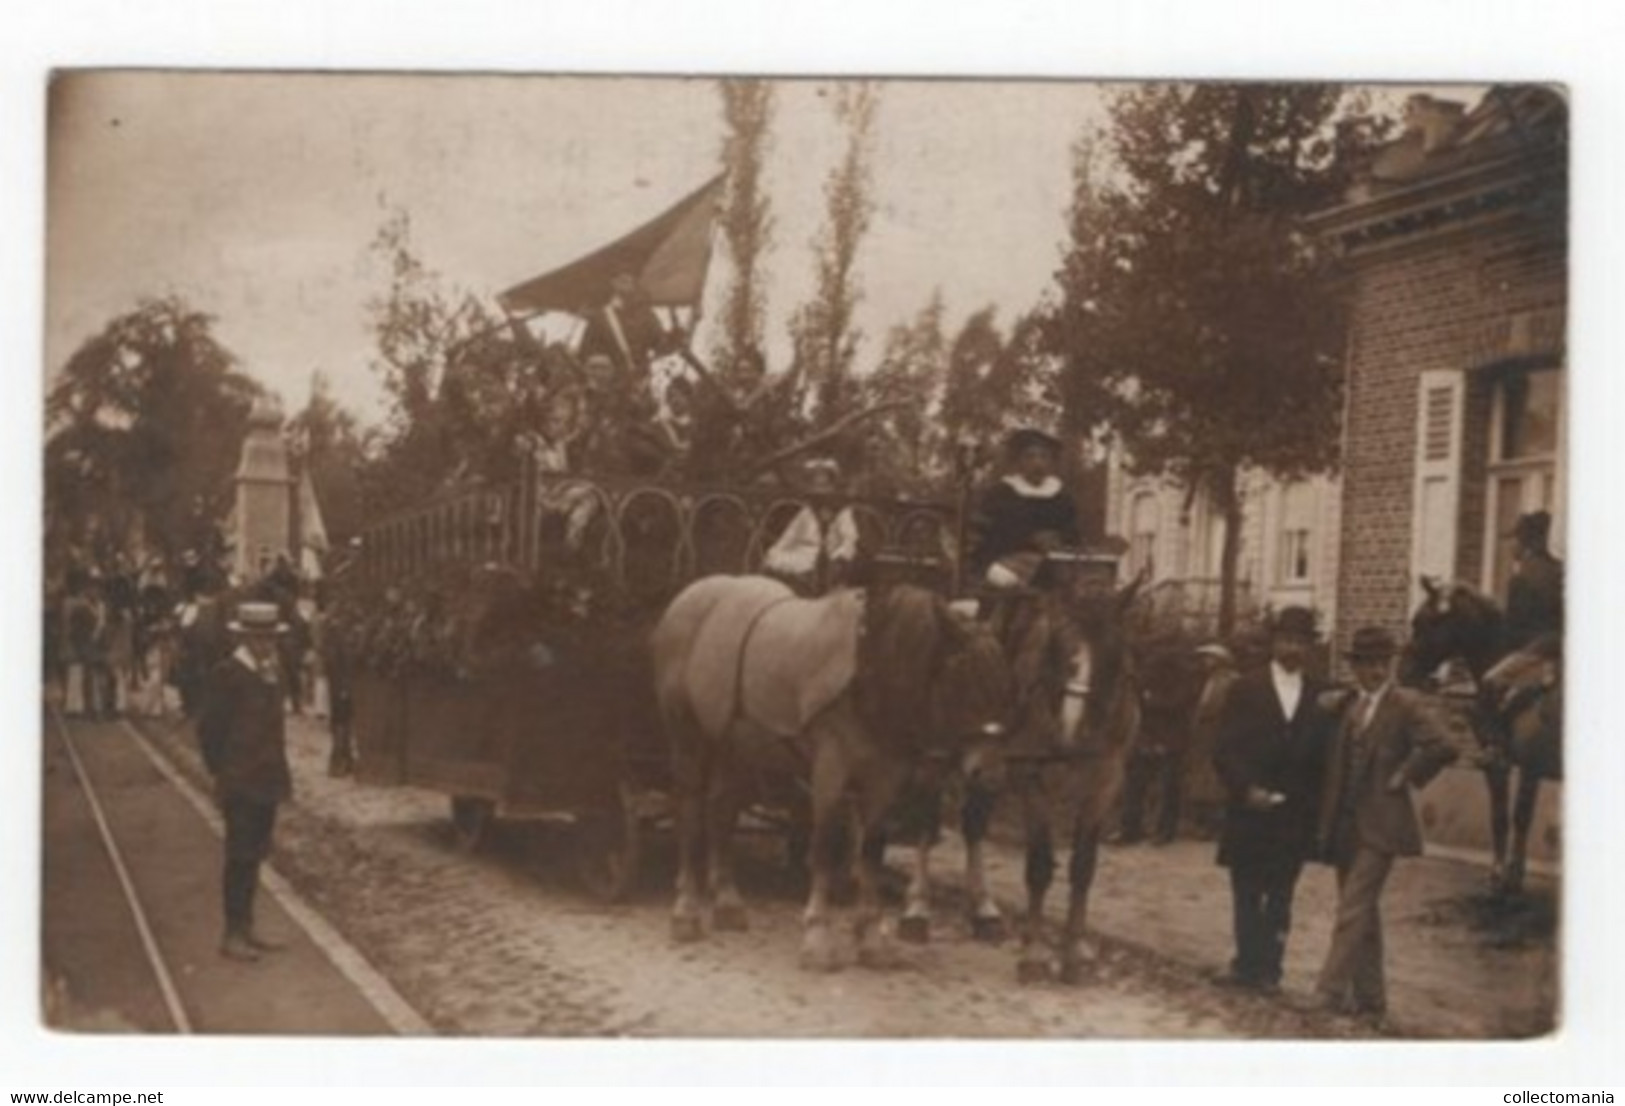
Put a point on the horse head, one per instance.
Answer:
(1097, 668)
(935, 680)
(1453, 620)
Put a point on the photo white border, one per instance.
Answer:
(1416, 42)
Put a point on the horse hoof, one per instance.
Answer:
(685, 929)
(990, 930)
(915, 929)
(819, 960)
(818, 952)
(1034, 971)
(879, 957)
(730, 919)
(1074, 972)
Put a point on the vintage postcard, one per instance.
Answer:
(539, 556)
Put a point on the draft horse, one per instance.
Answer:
(1517, 711)
(854, 692)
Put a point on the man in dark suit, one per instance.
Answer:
(244, 745)
(1270, 756)
(1386, 743)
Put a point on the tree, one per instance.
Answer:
(330, 443)
(747, 228)
(824, 335)
(454, 379)
(906, 452)
(1198, 325)
(144, 429)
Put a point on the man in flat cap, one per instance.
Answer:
(244, 744)
(1025, 515)
(1270, 756)
(1385, 744)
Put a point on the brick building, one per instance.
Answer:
(1456, 244)
(1456, 241)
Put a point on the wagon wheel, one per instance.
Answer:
(471, 821)
(608, 848)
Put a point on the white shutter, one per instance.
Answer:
(1436, 506)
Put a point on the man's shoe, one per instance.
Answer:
(1229, 978)
(238, 947)
(1374, 1018)
(1321, 1003)
(264, 944)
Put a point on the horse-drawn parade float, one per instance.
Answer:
(604, 651)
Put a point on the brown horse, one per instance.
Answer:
(854, 691)
(1078, 716)
(1517, 715)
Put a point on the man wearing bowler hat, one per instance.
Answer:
(1385, 744)
(244, 745)
(1270, 755)
(1025, 515)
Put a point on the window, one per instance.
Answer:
(1525, 464)
(1436, 502)
(1142, 556)
(1297, 528)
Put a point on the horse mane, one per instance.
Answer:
(901, 653)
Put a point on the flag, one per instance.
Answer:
(669, 255)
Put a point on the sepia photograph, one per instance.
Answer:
(729, 557)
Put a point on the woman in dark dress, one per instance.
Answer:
(1025, 515)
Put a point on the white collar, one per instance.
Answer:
(1282, 677)
(245, 657)
(1023, 487)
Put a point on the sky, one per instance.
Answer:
(256, 196)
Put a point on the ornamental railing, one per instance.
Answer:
(647, 537)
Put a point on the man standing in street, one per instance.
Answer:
(1270, 757)
(244, 745)
(1386, 743)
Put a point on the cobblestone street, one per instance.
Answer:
(502, 943)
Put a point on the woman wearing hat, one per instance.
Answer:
(1025, 515)
(1385, 744)
(244, 745)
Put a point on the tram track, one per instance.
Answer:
(165, 865)
(132, 899)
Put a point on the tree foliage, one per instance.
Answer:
(747, 228)
(1197, 322)
(457, 385)
(824, 334)
(144, 427)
